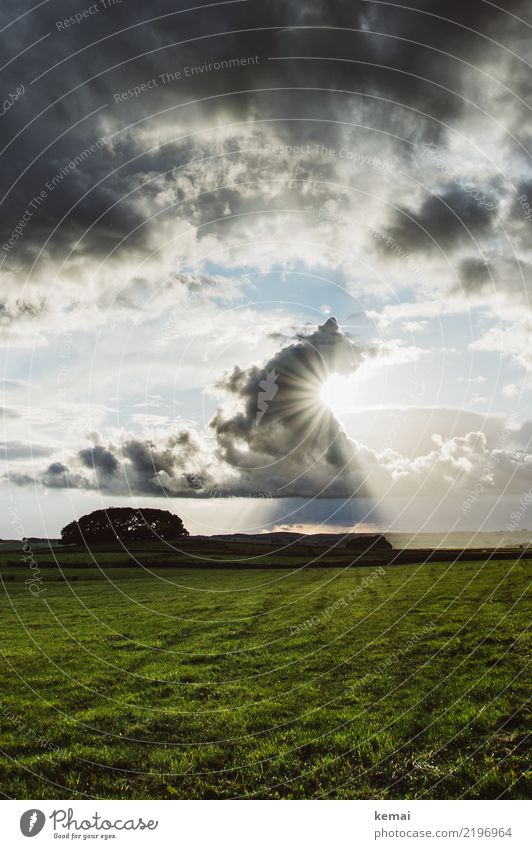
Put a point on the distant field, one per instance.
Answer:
(209, 683)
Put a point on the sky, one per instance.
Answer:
(267, 266)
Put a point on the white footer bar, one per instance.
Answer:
(254, 824)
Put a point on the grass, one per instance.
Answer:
(235, 682)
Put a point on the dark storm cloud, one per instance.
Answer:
(473, 275)
(135, 42)
(511, 276)
(283, 439)
(108, 53)
(57, 469)
(153, 468)
(58, 476)
(442, 222)
(99, 458)
(146, 459)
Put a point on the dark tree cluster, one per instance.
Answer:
(368, 542)
(124, 524)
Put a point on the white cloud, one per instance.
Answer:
(513, 340)
(511, 390)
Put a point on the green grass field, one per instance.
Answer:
(235, 682)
